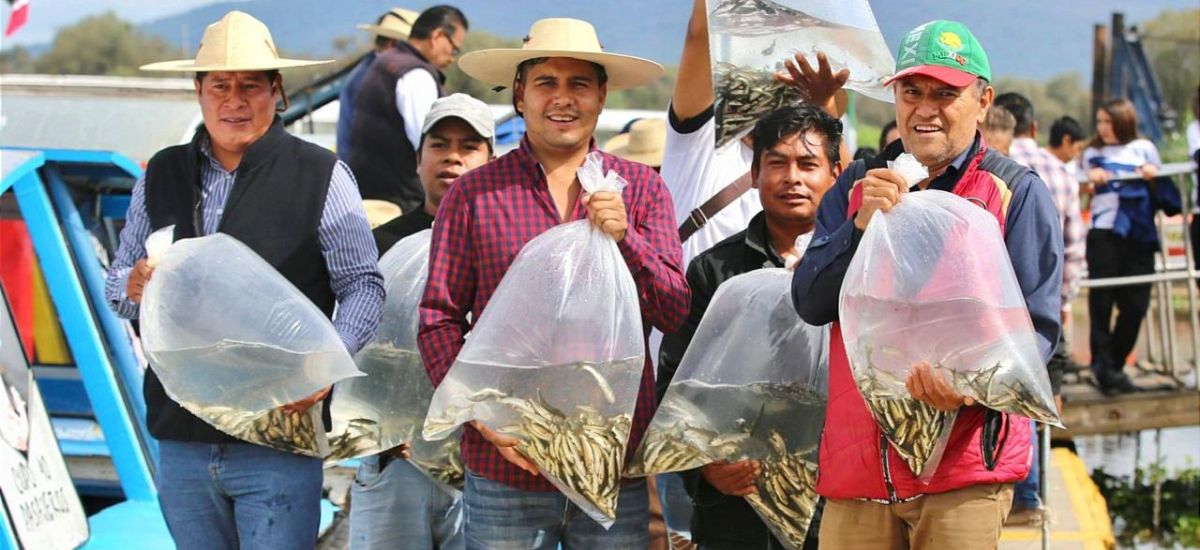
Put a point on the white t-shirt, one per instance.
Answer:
(415, 93)
(694, 170)
(1116, 158)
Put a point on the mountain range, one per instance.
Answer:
(1034, 40)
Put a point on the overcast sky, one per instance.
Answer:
(47, 15)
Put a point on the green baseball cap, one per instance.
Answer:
(945, 50)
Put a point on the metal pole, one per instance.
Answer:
(1044, 464)
(1150, 336)
(1166, 295)
(1177, 275)
(1099, 66)
(1158, 482)
(1189, 253)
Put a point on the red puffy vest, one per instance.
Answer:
(856, 461)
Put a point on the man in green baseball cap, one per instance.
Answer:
(873, 498)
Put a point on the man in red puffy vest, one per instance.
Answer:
(873, 499)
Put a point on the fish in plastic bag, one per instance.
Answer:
(751, 386)
(387, 407)
(750, 39)
(932, 282)
(556, 358)
(232, 341)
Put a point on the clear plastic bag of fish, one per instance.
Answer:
(233, 341)
(387, 407)
(750, 39)
(752, 385)
(556, 358)
(932, 282)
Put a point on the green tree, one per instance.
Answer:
(16, 60)
(102, 45)
(1173, 44)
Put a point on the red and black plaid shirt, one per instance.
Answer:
(485, 219)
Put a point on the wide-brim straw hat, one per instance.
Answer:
(380, 212)
(644, 142)
(396, 24)
(238, 42)
(559, 37)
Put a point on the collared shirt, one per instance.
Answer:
(485, 219)
(1031, 236)
(1064, 188)
(344, 234)
(346, 103)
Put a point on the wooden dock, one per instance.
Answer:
(1164, 402)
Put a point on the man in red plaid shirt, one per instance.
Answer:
(560, 79)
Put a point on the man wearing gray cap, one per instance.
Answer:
(395, 505)
(458, 136)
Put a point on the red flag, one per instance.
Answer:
(16, 20)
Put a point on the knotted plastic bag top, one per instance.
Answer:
(932, 282)
(557, 354)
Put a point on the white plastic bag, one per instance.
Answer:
(556, 358)
(387, 407)
(232, 341)
(932, 282)
(752, 385)
(750, 39)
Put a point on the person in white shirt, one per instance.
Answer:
(693, 168)
(1122, 239)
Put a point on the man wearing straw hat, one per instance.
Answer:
(296, 206)
(395, 95)
(560, 79)
(642, 143)
(391, 28)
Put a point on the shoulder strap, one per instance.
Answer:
(700, 216)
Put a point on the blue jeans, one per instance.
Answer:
(400, 508)
(677, 505)
(1025, 493)
(238, 495)
(500, 517)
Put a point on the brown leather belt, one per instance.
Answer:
(700, 216)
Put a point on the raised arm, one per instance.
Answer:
(694, 85)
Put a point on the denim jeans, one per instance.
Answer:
(400, 508)
(499, 517)
(238, 495)
(1025, 493)
(677, 505)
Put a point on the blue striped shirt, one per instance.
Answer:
(345, 237)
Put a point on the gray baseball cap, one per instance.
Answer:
(472, 111)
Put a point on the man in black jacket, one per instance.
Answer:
(296, 206)
(796, 159)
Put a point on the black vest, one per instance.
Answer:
(382, 158)
(274, 208)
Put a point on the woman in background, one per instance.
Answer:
(1122, 239)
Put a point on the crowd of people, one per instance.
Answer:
(687, 222)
